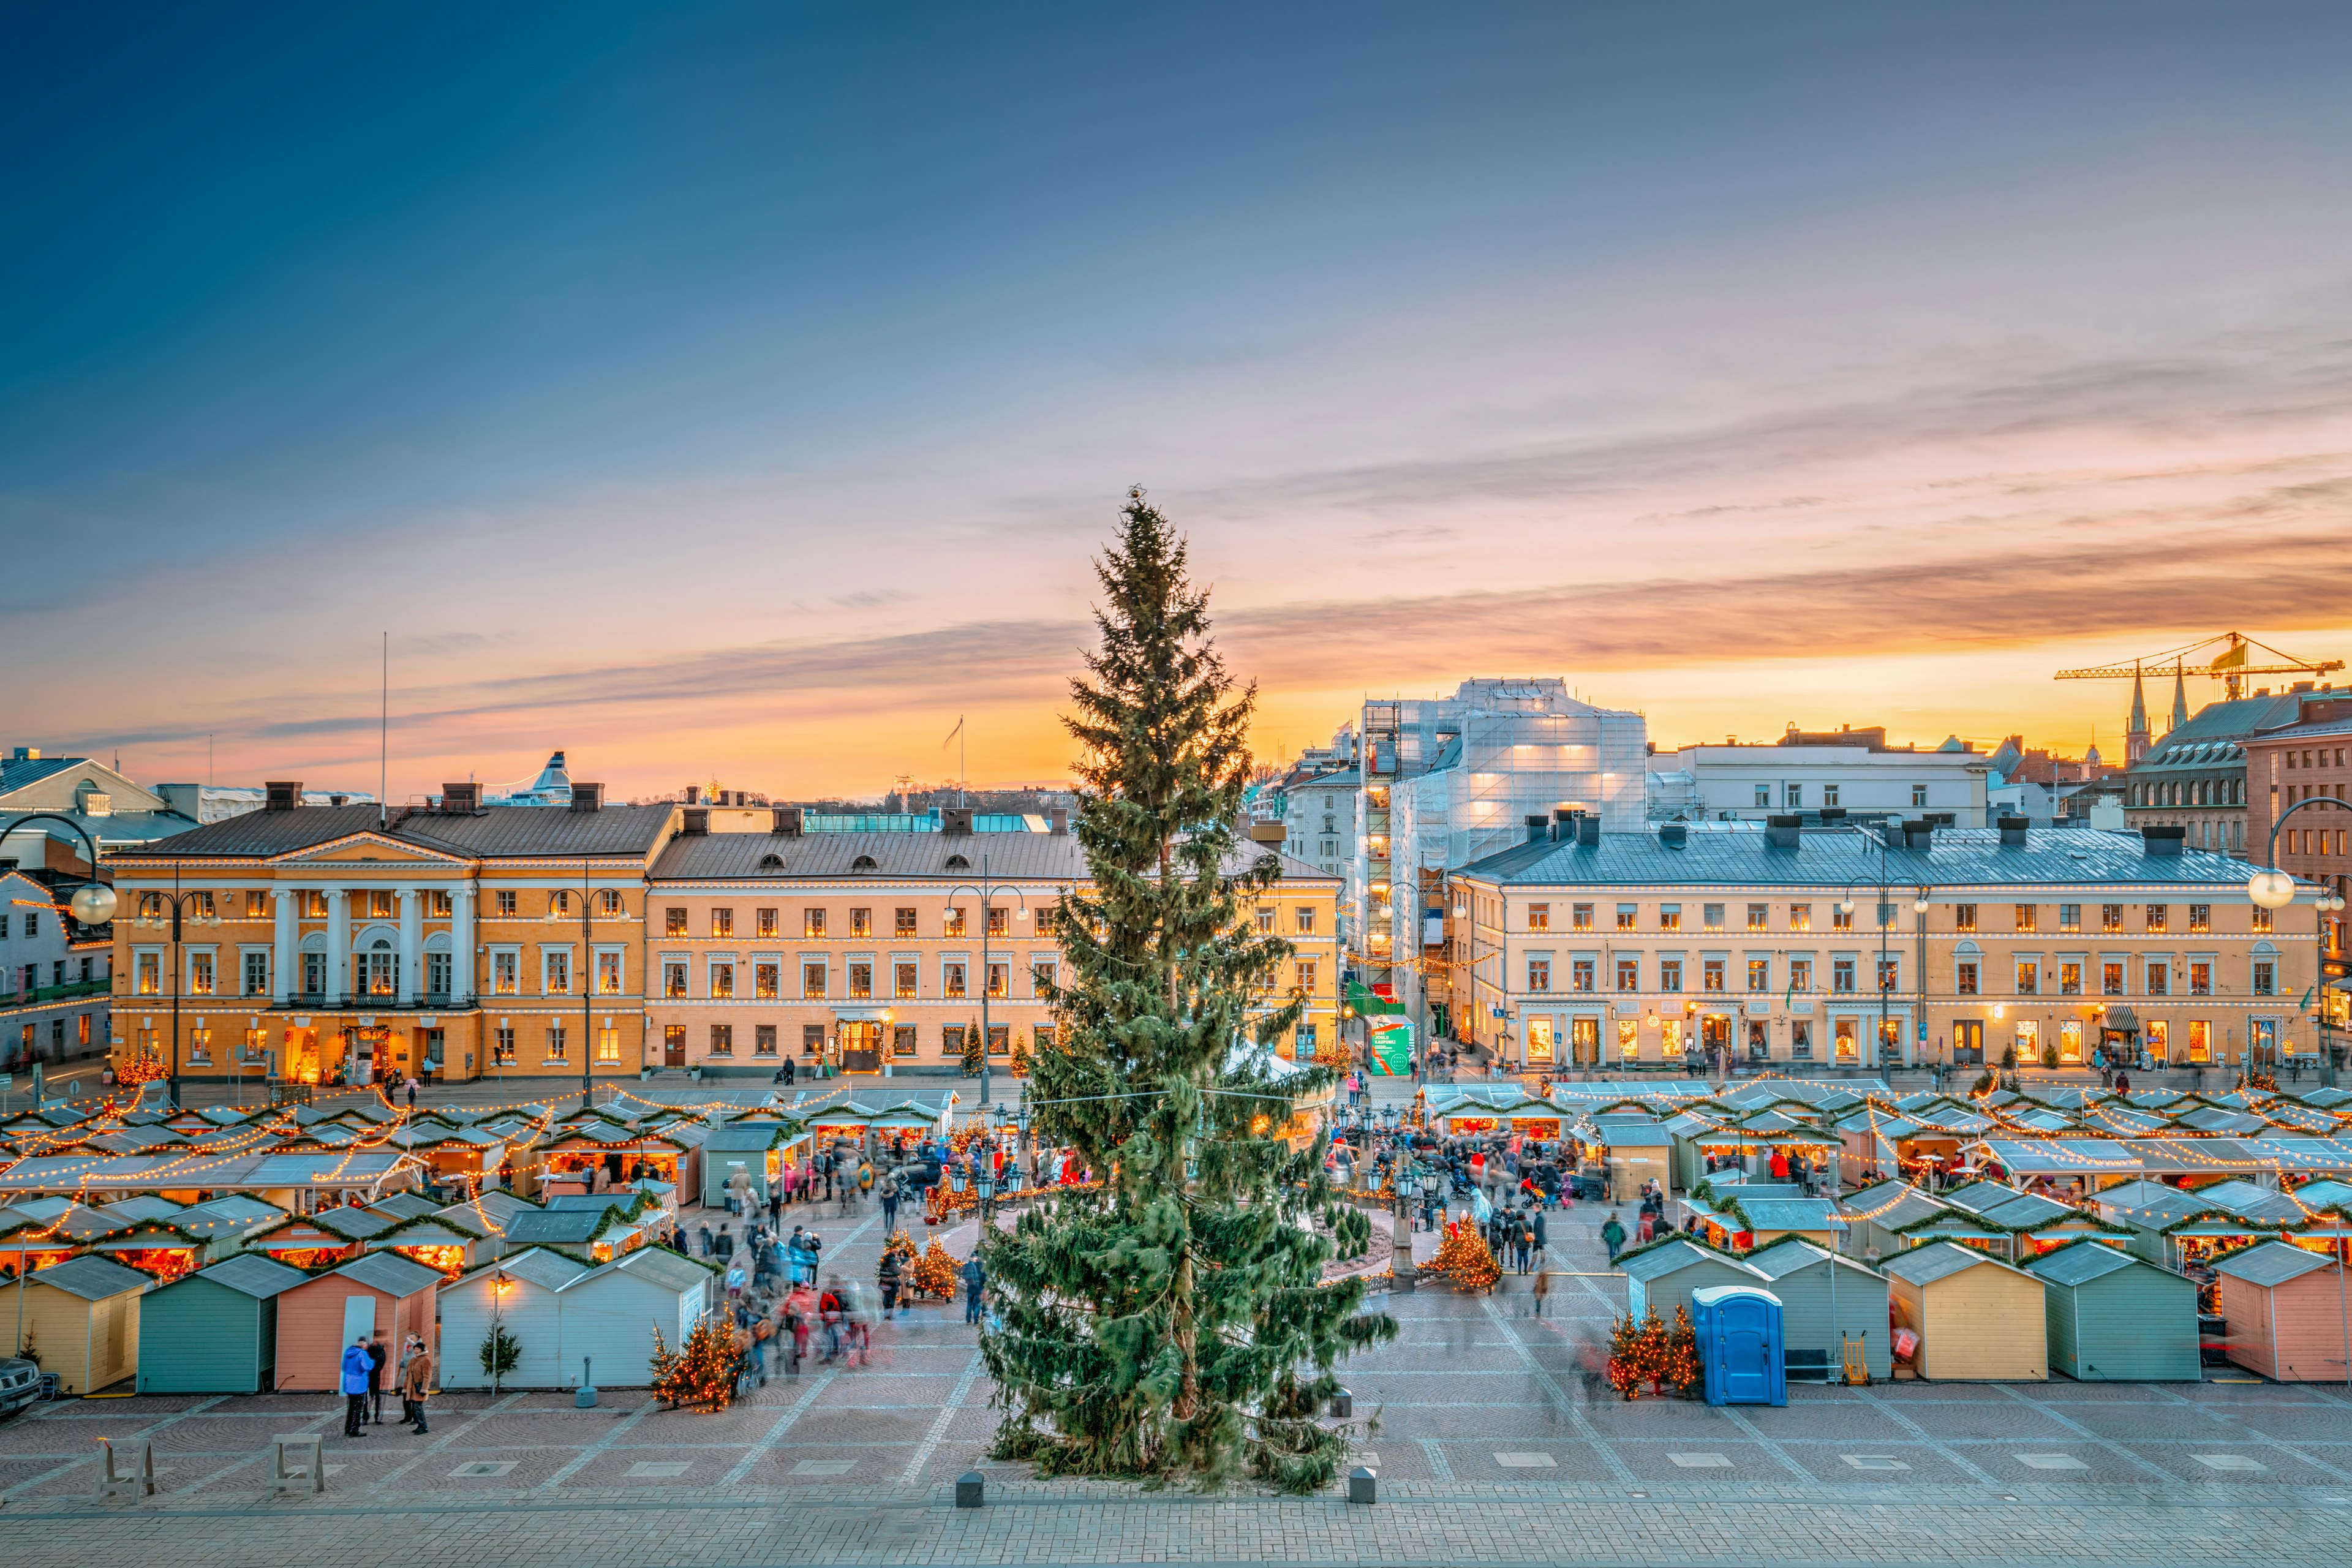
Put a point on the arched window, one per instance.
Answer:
(772, 862)
(867, 863)
(958, 863)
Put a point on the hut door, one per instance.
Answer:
(358, 1322)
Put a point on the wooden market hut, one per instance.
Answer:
(595, 1235)
(1977, 1317)
(1876, 1217)
(2115, 1318)
(518, 1293)
(215, 1330)
(755, 1147)
(1664, 1274)
(1813, 1330)
(318, 1318)
(436, 1242)
(317, 1241)
(608, 1314)
(81, 1317)
(2284, 1305)
(1632, 1153)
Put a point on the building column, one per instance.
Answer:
(412, 943)
(462, 983)
(283, 963)
(339, 944)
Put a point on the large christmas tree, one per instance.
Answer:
(1171, 1324)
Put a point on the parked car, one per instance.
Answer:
(20, 1385)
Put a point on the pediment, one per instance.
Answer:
(362, 848)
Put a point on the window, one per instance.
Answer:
(314, 974)
(952, 1040)
(313, 902)
(722, 922)
(1711, 915)
(861, 982)
(608, 1043)
(1046, 921)
(1302, 921)
(951, 979)
(905, 919)
(257, 903)
(2028, 977)
(608, 974)
(1763, 797)
(1670, 975)
(1580, 917)
(952, 923)
(2262, 918)
(1759, 975)
(2201, 917)
(1043, 977)
(1793, 796)
(673, 979)
(2111, 918)
(1800, 917)
(556, 971)
(2159, 978)
(999, 982)
(903, 980)
(2266, 977)
(1264, 920)
(2201, 977)
(1580, 975)
(1840, 917)
(506, 906)
(673, 922)
(502, 1045)
(1628, 915)
(1886, 916)
(999, 1040)
(1964, 917)
(556, 1043)
(1964, 978)
(1629, 974)
(2070, 979)
(812, 979)
(812, 922)
(902, 1040)
(608, 904)
(861, 922)
(1800, 974)
(1711, 975)
(150, 972)
(200, 974)
(257, 974)
(1842, 976)
(1670, 917)
(812, 1039)
(505, 973)
(2159, 917)
(1829, 795)
(440, 968)
(2111, 979)
(1760, 917)
(379, 903)
(1918, 795)
(439, 906)
(1539, 973)
(1800, 1038)
(2029, 917)
(2070, 916)
(1539, 917)
(1000, 921)
(722, 1039)
(722, 981)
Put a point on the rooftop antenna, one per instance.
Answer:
(383, 736)
(963, 778)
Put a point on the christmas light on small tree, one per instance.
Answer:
(1626, 1369)
(702, 1371)
(1680, 1369)
(1465, 1258)
(902, 1244)
(935, 1272)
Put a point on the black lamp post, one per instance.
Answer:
(178, 903)
(987, 892)
(93, 903)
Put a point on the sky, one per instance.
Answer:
(741, 393)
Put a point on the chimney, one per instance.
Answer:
(1833, 814)
(1942, 819)
(788, 821)
(1673, 835)
(1920, 836)
(281, 794)
(1781, 831)
(1563, 825)
(2012, 831)
(461, 799)
(2162, 839)
(333, 799)
(587, 796)
(697, 821)
(693, 794)
(1060, 817)
(1587, 832)
(1539, 828)
(955, 819)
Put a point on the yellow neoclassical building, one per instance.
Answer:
(325, 944)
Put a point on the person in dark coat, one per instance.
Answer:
(379, 1355)
(1613, 1236)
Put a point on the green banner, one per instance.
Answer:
(1390, 1041)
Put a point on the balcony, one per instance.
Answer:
(325, 1002)
(44, 995)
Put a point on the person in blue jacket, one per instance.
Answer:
(358, 1384)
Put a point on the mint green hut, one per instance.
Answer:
(2115, 1318)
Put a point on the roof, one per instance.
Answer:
(2267, 1263)
(390, 1273)
(2081, 1262)
(548, 1270)
(1786, 1214)
(660, 1266)
(254, 1275)
(1675, 1255)
(632, 830)
(1937, 1261)
(1794, 1253)
(561, 1228)
(1012, 856)
(92, 1278)
(1736, 854)
(16, 772)
(1649, 1135)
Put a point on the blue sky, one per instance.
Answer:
(739, 390)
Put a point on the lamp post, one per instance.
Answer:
(93, 903)
(2274, 889)
(987, 892)
(587, 987)
(178, 903)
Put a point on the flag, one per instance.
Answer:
(2306, 998)
(2235, 658)
(954, 732)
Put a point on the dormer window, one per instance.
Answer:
(959, 863)
(772, 862)
(867, 863)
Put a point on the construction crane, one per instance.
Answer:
(2231, 665)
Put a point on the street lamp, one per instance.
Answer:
(93, 903)
(586, 977)
(987, 892)
(2274, 889)
(178, 903)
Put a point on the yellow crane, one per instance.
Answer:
(2231, 665)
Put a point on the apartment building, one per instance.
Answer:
(874, 949)
(1846, 947)
(349, 945)
(1845, 770)
(53, 978)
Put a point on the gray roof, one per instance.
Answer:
(1656, 1262)
(630, 830)
(406, 1206)
(253, 1273)
(16, 772)
(1792, 1253)
(557, 1228)
(1787, 1214)
(548, 1270)
(92, 1278)
(2086, 1260)
(1938, 1261)
(2270, 1263)
(2207, 741)
(660, 1266)
(390, 1273)
(1735, 855)
(1648, 1135)
(1015, 857)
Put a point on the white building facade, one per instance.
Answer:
(1735, 783)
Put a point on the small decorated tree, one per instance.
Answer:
(1020, 1055)
(1626, 1368)
(702, 1371)
(1464, 1257)
(1681, 1371)
(1653, 1350)
(935, 1272)
(501, 1352)
(900, 1243)
(975, 1049)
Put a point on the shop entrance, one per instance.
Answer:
(1584, 1041)
(1967, 1043)
(861, 1045)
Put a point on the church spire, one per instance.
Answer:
(2136, 732)
(2179, 699)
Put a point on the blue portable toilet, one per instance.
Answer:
(1739, 1348)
